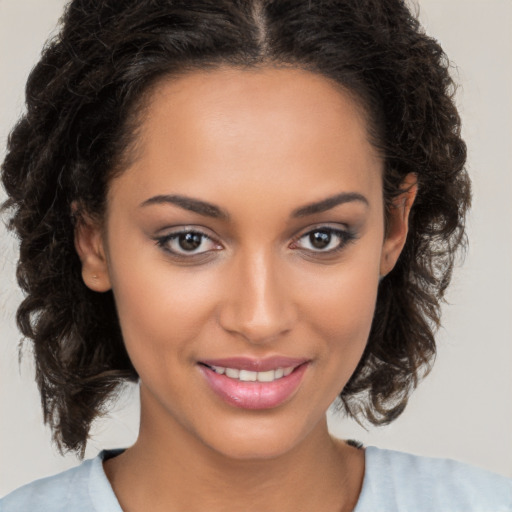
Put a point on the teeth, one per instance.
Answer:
(267, 376)
(232, 373)
(248, 376)
(219, 369)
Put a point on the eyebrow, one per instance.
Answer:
(328, 203)
(211, 210)
(191, 204)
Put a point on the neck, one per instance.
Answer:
(168, 468)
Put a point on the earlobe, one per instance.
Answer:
(90, 248)
(398, 224)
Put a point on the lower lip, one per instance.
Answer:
(254, 395)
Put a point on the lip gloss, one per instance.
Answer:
(254, 395)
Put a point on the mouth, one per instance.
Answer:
(254, 384)
(250, 376)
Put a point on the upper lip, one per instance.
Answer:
(256, 365)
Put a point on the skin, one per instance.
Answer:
(258, 144)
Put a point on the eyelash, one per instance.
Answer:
(345, 237)
(163, 242)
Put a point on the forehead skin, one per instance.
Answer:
(227, 122)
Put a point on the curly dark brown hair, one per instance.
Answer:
(83, 101)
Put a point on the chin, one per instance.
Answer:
(255, 439)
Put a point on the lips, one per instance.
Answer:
(254, 383)
(256, 365)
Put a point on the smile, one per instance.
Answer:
(254, 384)
(251, 376)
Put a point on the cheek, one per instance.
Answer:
(161, 309)
(344, 316)
(343, 302)
(341, 307)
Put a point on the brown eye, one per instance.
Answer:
(190, 241)
(320, 239)
(187, 243)
(324, 240)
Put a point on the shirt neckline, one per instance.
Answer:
(104, 499)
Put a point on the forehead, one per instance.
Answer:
(259, 129)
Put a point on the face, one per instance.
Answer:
(244, 247)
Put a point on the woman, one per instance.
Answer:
(251, 208)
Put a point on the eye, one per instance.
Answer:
(324, 240)
(187, 243)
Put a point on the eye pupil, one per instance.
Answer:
(190, 241)
(320, 239)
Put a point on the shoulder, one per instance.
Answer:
(80, 489)
(54, 493)
(401, 481)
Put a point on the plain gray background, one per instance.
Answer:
(463, 410)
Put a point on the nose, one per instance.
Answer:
(258, 301)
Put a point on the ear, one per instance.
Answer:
(398, 224)
(89, 245)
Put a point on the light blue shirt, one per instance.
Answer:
(393, 482)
